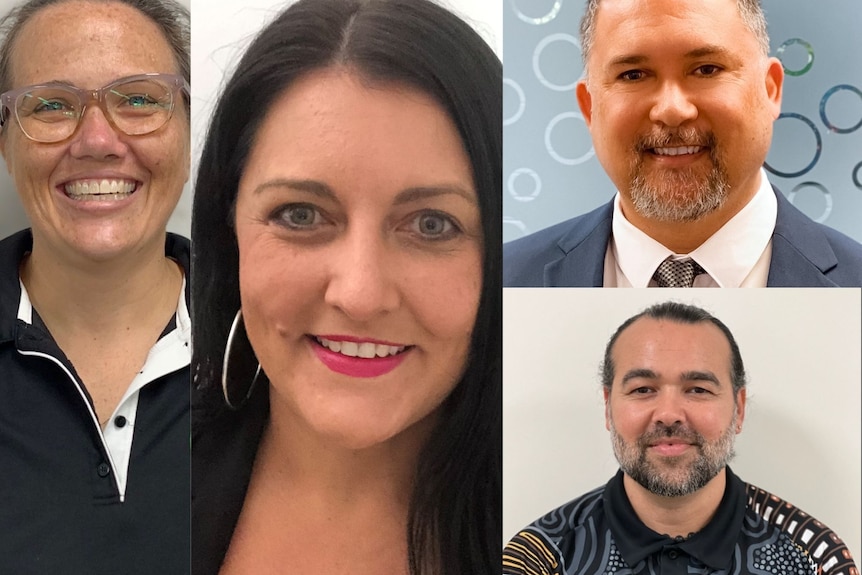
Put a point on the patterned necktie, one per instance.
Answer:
(677, 273)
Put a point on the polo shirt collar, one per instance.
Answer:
(713, 545)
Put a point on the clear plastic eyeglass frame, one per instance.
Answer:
(56, 117)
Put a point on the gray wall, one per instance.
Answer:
(550, 172)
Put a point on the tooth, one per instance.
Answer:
(366, 350)
(331, 345)
(381, 350)
(350, 348)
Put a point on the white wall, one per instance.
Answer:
(801, 437)
(221, 29)
(12, 216)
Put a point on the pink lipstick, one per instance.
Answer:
(357, 357)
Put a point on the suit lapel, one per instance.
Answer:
(801, 254)
(582, 261)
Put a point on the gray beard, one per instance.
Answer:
(679, 195)
(676, 477)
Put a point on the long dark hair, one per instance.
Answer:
(455, 512)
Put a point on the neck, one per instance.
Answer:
(104, 295)
(676, 516)
(685, 237)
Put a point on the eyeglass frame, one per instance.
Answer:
(9, 100)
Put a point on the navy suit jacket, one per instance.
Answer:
(572, 253)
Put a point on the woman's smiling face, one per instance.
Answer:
(360, 244)
(89, 45)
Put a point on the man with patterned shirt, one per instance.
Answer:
(674, 392)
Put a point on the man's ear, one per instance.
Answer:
(774, 82)
(606, 392)
(740, 409)
(585, 101)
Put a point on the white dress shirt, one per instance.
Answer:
(737, 255)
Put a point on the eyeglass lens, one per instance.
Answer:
(136, 107)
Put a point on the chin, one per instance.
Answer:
(358, 429)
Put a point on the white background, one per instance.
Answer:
(801, 436)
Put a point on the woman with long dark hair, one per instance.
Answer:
(346, 299)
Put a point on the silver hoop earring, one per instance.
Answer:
(234, 327)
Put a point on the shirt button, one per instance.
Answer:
(103, 470)
(120, 421)
(673, 554)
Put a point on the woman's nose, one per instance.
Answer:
(96, 137)
(363, 280)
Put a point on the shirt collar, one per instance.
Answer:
(728, 256)
(713, 545)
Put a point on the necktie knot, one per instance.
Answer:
(677, 273)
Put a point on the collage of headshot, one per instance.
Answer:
(318, 286)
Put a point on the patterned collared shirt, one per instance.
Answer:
(752, 532)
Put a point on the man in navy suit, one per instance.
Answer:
(680, 97)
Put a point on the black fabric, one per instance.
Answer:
(712, 546)
(751, 533)
(60, 509)
(224, 446)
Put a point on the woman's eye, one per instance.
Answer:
(51, 106)
(298, 216)
(140, 101)
(434, 226)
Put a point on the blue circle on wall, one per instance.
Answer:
(817, 152)
(856, 179)
(827, 210)
(538, 20)
(825, 99)
(808, 48)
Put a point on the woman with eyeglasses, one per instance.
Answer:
(94, 327)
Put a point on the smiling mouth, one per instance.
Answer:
(100, 190)
(676, 151)
(361, 349)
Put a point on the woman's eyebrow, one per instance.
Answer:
(311, 186)
(424, 192)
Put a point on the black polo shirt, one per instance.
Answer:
(75, 498)
(752, 532)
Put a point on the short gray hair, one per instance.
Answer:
(170, 16)
(750, 10)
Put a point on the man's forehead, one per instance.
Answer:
(649, 339)
(627, 19)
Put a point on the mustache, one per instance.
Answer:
(677, 430)
(675, 138)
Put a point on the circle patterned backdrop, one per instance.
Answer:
(550, 169)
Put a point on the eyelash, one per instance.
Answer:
(701, 390)
(281, 215)
(625, 76)
(450, 227)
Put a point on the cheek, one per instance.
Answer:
(445, 297)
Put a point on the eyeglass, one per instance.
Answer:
(135, 105)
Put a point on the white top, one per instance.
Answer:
(737, 255)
